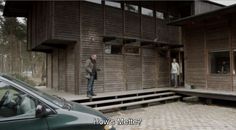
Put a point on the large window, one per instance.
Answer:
(131, 8)
(113, 49)
(95, 1)
(147, 12)
(160, 15)
(113, 4)
(219, 62)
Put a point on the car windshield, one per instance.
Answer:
(53, 99)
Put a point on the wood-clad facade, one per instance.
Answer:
(204, 36)
(69, 32)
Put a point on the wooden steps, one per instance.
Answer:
(137, 103)
(129, 99)
(115, 95)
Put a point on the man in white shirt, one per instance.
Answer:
(174, 72)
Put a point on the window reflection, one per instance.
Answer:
(147, 12)
(95, 1)
(220, 62)
(131, 8)
(159, 15)
(113, 4)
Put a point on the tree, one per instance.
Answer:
(14, 57)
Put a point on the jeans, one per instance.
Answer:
(90, 85)
(174, 78)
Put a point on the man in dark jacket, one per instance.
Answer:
(91, 74)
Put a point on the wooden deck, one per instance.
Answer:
(111, 101)
(73, 97)
(204, 93)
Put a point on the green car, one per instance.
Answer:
(23, 107)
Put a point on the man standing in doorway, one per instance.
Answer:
(91, 74)
(174, 72)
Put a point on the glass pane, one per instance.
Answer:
(113, 49)
(220, 62)
(15, 103)
(116, 49)
(95, 1)
(234, 62)
(159, 15)
(132, 8)
(52, 99)
(107, 49)
(113, 4)
(147, 12)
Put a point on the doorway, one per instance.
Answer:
(179, 56)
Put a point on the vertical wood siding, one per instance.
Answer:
(66, 20)
(233, 40)
(55, 70)
(203, 7)
(49, 70)
(86, 23)
(113, 73)
(163, 71)
(62, 69)
(91, 42)
(113, 21)
(194, 58)
(148, 27)
(149, 68)
(133, 72)
(216, 39)
(162, 30)
(39, 23)
(70, 69)
(132, 24)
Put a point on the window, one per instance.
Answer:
(113, 4)
(172, 17)
(132, 50)
(234, 62)
(159, 15)
(95, 1)
(131, 8)
(147, 12)
(219, 62)
(14, 103)
(113, 49)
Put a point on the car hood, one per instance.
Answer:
(88, 110)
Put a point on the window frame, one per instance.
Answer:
(159, 12)
(125, 8)
(110, 4)
(38, 101)
(110, 53)
(147, 9)
(210, 62)
(94, 1)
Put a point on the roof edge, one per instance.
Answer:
(180, 22)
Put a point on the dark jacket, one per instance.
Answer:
(90, 69)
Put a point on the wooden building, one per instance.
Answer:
(210, 49)
(132, 40)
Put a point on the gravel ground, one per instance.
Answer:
(176, 116)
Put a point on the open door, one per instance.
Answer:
(179, 56)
